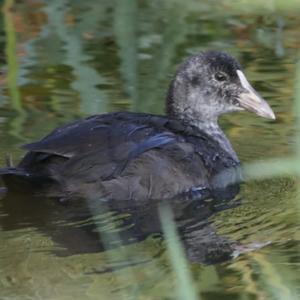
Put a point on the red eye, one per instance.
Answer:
(220, 76)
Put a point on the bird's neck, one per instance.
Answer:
(209, 126)
(212, 129)
(203, 118)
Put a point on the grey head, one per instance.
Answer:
(210, 84)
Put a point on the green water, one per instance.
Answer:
(61, 60)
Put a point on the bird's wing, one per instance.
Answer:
(159, 172)
(120, 156)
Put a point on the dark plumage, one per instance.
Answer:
(133, 156)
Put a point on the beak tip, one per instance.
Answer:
(271, 115)
(268, 115)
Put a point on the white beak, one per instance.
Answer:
(252, 101)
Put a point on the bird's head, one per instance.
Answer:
(210, 84)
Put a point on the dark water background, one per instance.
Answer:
(61, 60)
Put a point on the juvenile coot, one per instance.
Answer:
(138, 156)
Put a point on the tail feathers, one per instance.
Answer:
(19, 180)
(14, 171)
(14, 178)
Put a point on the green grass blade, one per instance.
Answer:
(185, 286)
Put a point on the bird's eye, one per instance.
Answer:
(220, 76)
(195, 80)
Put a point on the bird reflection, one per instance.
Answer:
(90, 226)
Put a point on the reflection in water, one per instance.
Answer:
(87, 226)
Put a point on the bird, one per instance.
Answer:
(139, 157)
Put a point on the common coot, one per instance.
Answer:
(140, 156)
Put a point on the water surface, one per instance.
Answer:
(63, 60)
